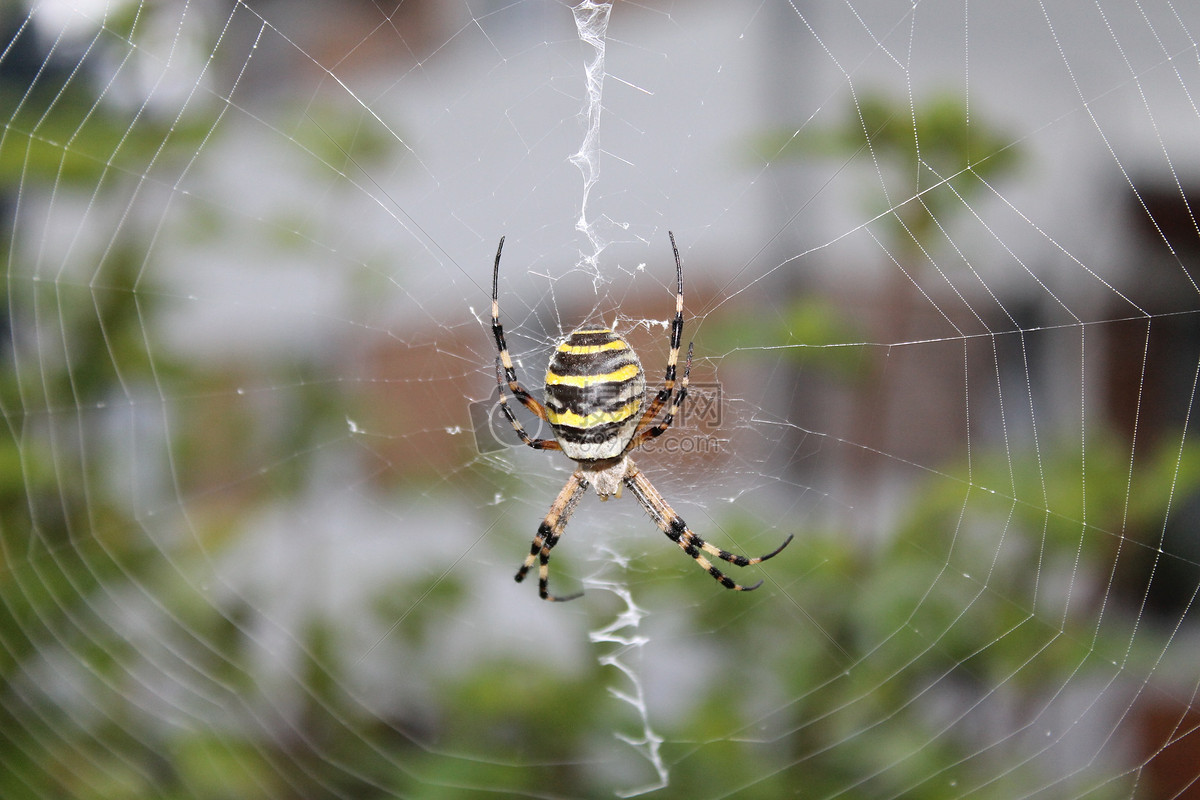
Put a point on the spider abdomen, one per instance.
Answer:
(594, 391)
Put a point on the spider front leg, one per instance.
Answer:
(510, 372)
(677, 531)
(664, 394)
(643, 433)
(548, 534)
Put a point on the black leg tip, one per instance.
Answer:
(779, 549)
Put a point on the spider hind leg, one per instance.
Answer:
(677, 531)
(548, 535)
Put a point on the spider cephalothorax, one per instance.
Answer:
(595, 390)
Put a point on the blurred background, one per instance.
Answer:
(259, 514)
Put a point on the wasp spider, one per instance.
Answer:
(594, 392)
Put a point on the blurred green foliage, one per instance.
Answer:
(930, 159)
(811, 329)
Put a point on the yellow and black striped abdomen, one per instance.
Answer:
(594, 391)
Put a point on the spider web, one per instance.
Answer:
(261, 516)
